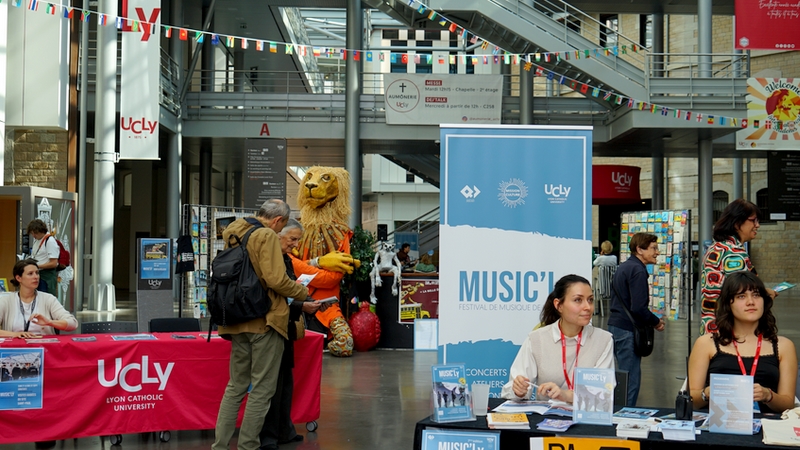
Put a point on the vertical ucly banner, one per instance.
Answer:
(515, 217)
(141, 65)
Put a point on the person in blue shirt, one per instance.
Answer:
(630, 288)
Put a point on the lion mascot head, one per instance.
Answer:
(324, 202)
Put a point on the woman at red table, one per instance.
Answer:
(566, 334)
(28, 312)
(746, 343)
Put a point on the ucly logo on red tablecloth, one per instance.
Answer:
(131, 377)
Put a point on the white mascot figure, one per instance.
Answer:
(385, 261)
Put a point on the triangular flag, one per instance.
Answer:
(183, 34)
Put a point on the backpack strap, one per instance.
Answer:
(256, 224)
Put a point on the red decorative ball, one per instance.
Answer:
(366, 328)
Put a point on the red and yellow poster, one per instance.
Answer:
(419, 299)
(773, 115)
(564, 443)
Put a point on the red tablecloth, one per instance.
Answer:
(166, 384)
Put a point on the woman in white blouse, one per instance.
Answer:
(28, 312)
(566, 340)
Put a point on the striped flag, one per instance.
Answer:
(135, 26)
(260, 46)
(102, 19)
(463, 33)
(722, 120)
(230, 41)
(199, 36)
(688, 115)
(51, 9)
(244, 44)
(316, 52)
(168, 32)
(653, 108)
(676, 113)
(710, 120)
(485, 45)
(33, 5)
(756, 123)
(562, 80)
(432, 15)
(630, 103)
(547, 57)
(119, 22)
(273, 47)
(641, 106)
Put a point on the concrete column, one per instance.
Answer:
(78, 248)
(352, 149)
(105, 157)
(238, 70)
(205, 172)
(207, 67)
(658, 181)
(705, 216)
(738, 173)
(704, 24)
(526, 96)
(658, 44)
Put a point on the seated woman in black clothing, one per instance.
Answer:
(744, 321)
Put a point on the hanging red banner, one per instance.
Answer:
(615, 184)
(767, 25)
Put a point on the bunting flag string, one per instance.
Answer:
(499, 56)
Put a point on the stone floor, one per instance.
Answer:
(373, 400)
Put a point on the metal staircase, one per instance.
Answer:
(426, 226)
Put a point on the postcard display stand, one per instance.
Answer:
(205, 225)
(670, 278)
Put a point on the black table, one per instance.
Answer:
(520, 439)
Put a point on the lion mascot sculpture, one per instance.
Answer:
(324, 249)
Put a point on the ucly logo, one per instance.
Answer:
(131, 382)
(137, 126)
(622, 179)
(557, 191)
(146, 24)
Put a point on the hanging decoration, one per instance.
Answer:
(499, 56)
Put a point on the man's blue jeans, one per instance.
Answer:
(627, 360)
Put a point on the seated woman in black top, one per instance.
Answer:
(744, 322)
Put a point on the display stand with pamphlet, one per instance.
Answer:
(451, 398)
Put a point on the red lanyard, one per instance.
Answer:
(564, 355)
(755, 359)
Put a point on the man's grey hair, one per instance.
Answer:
(291, 225)
(273, 208)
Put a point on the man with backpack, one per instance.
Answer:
(45, 251)
(257, 345)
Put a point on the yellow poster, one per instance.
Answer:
(773, 115)
(564, 443)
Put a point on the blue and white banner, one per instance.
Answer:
(21, 375)
(515, 217)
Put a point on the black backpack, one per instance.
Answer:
(235, 294)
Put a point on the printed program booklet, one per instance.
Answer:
(629, 413)
(447, 439)
(677, 430)
(506, 421)
(593, 399)
(451, 397)
(731, 405)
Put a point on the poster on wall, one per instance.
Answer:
(140, 78)
(419, 299)
(424, 99)
(773, 115)
(264, 171)
(766, 25)
(524, 193)
(155, 265)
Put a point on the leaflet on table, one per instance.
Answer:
(133, 337)
(84, 338)
(756, 426)
(542, 407)
(731, 404)
(633, 413)
(444, 439)
(21, 375)
(780, 287)
(554, 425)
(42, 341)
(677, 430)
(593, 396)
(451, 397)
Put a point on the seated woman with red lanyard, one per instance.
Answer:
(746, 343)
(565, 334)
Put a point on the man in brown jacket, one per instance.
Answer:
(257, 345)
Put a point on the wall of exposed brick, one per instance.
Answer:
(36, 158)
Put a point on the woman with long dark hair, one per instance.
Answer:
(565, 334)
(746, 343)
(28, 312)
(737, 226)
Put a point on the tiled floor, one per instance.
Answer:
(372, 400)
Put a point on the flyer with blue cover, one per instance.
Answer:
(731, 404)
(21, 375)
(451, 397)
(593, 396)
(439, 439)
